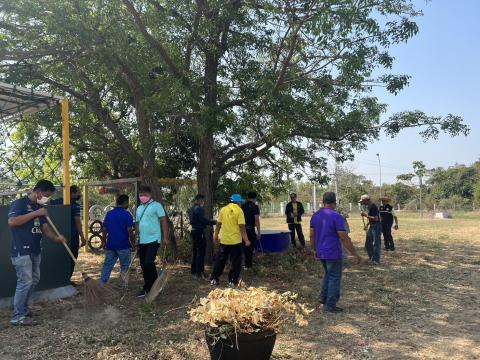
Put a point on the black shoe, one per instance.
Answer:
(335, 310)
(142, 294)
(323, 302)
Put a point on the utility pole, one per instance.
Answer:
(314, 197)
(421, 209)
(380, 171)
(336, 182)
(420, 170)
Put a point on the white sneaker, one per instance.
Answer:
(231, 285)
(214, 282)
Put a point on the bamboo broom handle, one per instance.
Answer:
(52, 225)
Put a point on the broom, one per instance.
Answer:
(95, 292)
(161, 280)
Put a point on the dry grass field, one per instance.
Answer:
(422, 302)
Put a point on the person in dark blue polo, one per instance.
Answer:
(252, 224)
(77, 238)
(27, 222)
(118, 230)
(199, 223)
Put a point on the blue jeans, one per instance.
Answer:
(373, 242)
(332, 279)
(27, 268)
(111, 257)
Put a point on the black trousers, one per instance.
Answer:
(298, 229)
(199, 246)
(234, 252)
(387, 236)
(248, 250)
(147, 254)
(74, 247)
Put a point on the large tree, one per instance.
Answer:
(273, 83)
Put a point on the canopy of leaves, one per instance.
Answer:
(161, 85)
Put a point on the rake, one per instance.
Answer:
(95, 292)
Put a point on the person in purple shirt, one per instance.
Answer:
(327, 234)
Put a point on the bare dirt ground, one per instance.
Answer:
(422, 302)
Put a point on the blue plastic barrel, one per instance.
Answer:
(273, 241)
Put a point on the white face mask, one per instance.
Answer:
(43, 200)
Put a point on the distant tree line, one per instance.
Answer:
(453, 188)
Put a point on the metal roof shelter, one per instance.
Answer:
(17, 101)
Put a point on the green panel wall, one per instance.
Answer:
(55, 268)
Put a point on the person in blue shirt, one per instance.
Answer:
(27, 222)
(118, 230)
(152, 228)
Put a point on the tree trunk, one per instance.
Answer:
(148, 170)
(206, 180)
(150, 178)
(206, 186)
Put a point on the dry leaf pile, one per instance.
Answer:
(248, 310)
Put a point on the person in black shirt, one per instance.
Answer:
(252, 222)
(199, 222)
(294, 211)
(373, 241)
(387, 215)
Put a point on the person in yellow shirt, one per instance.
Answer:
(231, 230)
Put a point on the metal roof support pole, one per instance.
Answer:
(85, 215)
(66, 151)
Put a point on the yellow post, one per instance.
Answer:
(66, 151)
(85, 214)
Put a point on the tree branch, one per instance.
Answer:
(153, 42)
(95, 104)
(239, 161)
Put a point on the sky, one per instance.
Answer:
(443, 60)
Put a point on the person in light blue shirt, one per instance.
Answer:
(152, 228)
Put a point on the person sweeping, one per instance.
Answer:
(118, 230)
(153, 228)
(27, 219)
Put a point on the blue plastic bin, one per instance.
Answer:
(273, 241)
